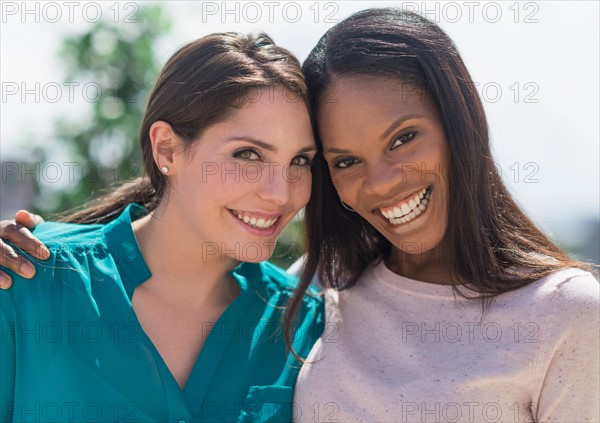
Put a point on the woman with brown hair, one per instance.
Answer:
(169, 312)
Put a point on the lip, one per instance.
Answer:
(257, 231)
(377, 210)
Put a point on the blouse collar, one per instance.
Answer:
(123, 246)
(132, 267)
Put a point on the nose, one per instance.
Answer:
(381, 179)
(274, 187)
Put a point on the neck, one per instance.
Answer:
(433, 266)
(181, 270)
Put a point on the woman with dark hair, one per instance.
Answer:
(168, 312)
(444, 301)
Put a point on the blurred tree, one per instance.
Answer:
(115, 66)
(289, 245)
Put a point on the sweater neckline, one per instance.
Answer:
(397, 282)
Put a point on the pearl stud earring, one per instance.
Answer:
(164, 169)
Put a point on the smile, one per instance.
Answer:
(407, 210)
(254, 220)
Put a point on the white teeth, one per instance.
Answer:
(261, 223)
(408, 211)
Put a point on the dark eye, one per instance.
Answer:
(344, 163)
(302, 161)
(247, 154)
(402, 139)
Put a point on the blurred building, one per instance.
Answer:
(589, 250)
(17, 186)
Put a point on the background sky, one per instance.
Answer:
(536, 65)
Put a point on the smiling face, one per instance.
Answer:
(246, 177)
(388, 156)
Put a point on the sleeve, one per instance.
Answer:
(7, 357)
(570, 390)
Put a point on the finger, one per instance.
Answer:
(12, 261)
(22, 238)
(5, 280)
(29, 220)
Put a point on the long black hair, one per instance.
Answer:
(491, 242)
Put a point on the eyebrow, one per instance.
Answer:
(265, 145)
(396, 123)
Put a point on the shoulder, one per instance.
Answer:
(58, 236)
(64, 241)
(285, 283)
(278, 287)
(575, 292)
(561, 283)
(569, 298)
(73, 251)
(573, 285)
(71, 246)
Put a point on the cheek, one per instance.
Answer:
(347, 188)
(204, 193)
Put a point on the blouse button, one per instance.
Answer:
(181, 421)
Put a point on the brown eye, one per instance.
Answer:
(344, 163)
(247, 154)
(402, 139)
(302, 161)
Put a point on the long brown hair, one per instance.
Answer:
(198, 86)
(492, 243)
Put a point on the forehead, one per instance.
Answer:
(270, 103)
(273, 114)
(362, 105)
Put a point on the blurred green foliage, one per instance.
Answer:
(119, 59)
(289, 245)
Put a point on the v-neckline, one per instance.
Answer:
(134, 271)
(210, 355)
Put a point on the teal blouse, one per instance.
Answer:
(73, 349)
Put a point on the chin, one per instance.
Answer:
(255, 251)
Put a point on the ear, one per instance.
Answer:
(164, 144)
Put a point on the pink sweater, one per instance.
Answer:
(400, 350)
